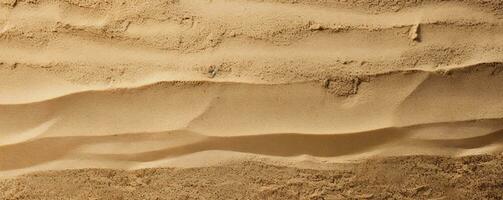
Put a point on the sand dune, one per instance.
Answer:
(418, 112)
(129, 85)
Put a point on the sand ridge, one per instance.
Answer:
(128, 85)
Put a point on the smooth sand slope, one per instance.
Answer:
(122, 84)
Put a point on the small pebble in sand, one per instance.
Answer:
(414, 33)
(10, 3)
(315, 27)
(212, 71)
(326, 83)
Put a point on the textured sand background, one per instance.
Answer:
(226, 92)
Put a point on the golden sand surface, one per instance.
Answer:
(189, 89)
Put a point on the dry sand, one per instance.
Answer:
(278, 99)
(413, 177)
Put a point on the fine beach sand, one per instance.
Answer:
(251, 99)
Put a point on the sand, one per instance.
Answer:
(188, 90)
(412, 177)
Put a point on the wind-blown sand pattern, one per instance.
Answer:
(119, 85)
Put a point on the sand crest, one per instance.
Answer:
(127, 85)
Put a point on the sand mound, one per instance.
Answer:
(128, 85)
(418, 177)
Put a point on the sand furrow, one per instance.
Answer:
(150, 147)
(194, 28)
(69, 60)
(42, 86)
(324, 46)
(255, 12)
